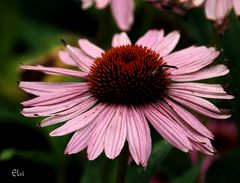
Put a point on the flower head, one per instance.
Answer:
(126, 88)
(122, 10)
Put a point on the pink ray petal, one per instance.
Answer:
(87, 4)
(65, 58)
(122, 11)
(191, 59)
(96, 142)
(100, 4)
(56, 71)
(217, 9)
(75, 56)
(70, 113)
(50, 86)
(198, 104)
(198, 2)
(189, 130)
(236, 6)
(168, 130)
(51, 109)
(201, 90)
(222, 9)
(80, 139)
(168, 43)
(196, 100)
(148, 147)
(206, 73)
(190, 120)
(120, 40)
(90, 99)
(205, 148)
(210, 9)
(151, 39)
(116, 134)
(138, 136)
(90, 49)
(79, 56)
(53, 98)
(79, 122)
(43, 88)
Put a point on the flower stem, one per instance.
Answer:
(122, 166)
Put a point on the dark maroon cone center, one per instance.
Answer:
(130, 75)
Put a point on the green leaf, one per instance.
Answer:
(138, 174)
(101, 170)
(189, 176)
(225, 169)
(175, 164)
(40, 157)
(6, 154)
(36, 156)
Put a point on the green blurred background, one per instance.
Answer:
(30, 33)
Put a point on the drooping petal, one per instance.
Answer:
(120, 40)
(223, 8)
(138, 136)
(198, 104)
(96, 142)
(86, 4)
(210, 9)
(217, 9)
(167, 44)
(65, 58)
(167, 129)
(206, 73)
(56, 71)
(100, 4)
(89, 48)
(197, 3)
(80, 121)
(191, 120)
(191, 59)
(201, 90)
(49, 110)
(190, 132)
(151, 38)
(205, 148)
(43, 88)
(70, 113)
(116, 134)
(236, 6)
(80, 139)
(77, 57)
(122, 11)
(53, 98)
(148, 145)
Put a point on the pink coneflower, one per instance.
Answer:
(122, 10)
(124, 89)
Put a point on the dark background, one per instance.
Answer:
(30, 33)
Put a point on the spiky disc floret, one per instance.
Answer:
(130, 75)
